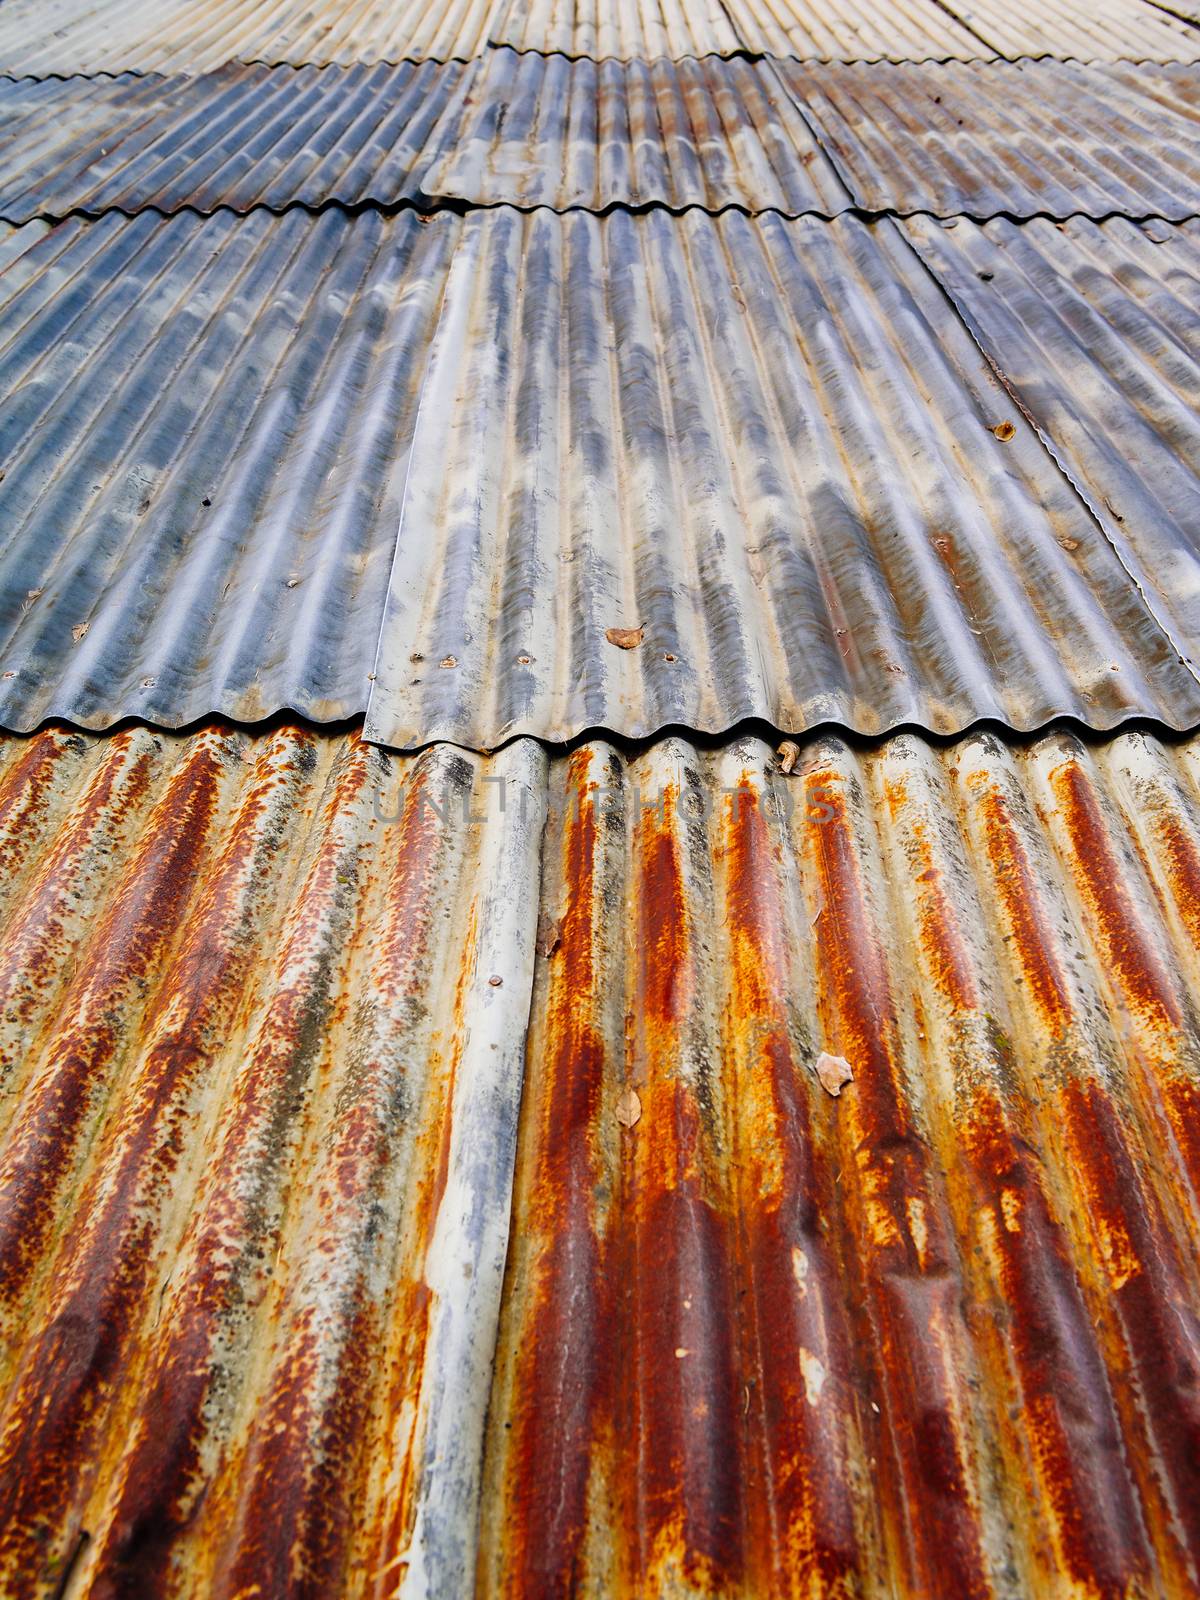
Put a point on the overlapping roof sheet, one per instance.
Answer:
(239, 137)
(1095, 330)
(204, 436)
(549, 131)
(261, 1091)
(772, 448)
(261, 1038)
(1023, 139)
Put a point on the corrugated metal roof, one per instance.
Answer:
(851, 30)
(263, 1008)
(241, 136)
(41, 38)
(982, 138)
(933, 1338)
(545, 130)
(204, 437)
(1096, 331)
(1089, 30)
(628, 29)
(930, 1338)
(770, 446)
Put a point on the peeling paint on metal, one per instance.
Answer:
(712, 133)
(56, 38)
(769, 445)
(934, 1338)
(1047, 137)
(204, 443)
(257, 1136)
(240, 137)
(1096, 330)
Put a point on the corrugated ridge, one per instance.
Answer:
(714, 133)
(1044, 138)
(1094, 329)
(240, 137)
(765, 444)
(264, 1001)
(928, 1339)
(205, 444)
(133, 35)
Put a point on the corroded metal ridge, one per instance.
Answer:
(545, 130)
(204, 435)
(241, 136)
(263, 1006)
(693, 470)
(56, 38)
(850, 30)
(1024, 138)
(1095, 329)
(936, 1337)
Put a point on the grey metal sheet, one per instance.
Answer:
(204, 427)
(1095, 329)
(823, 29)
(240, 136)
(1088, 30)
(767, 444)
(546, 130)
(42, 38)
(1055, 138)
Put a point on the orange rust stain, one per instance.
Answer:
(908, 1294)
(1142, 1277)
(800, 1526)
(1183, 870)
(1102, 881)
(943, 951)
(1066, 1420)
(1015, 883)
(665, 988)
(566, 1354)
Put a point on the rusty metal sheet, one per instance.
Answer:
(1046, 137)
(546, 130)
(261, 1038)
(691, 470)
(821, 29)
(48, 38)
(1088, 30)
(935, 1337)
(204, 426)
(1095, 330)
(240, 137)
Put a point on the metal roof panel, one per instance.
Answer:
(769, 445)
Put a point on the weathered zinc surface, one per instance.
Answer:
(262, 1009)
(547, 130)
(643, 29)
(1095, 329)
(695, 469)
(239, 137)
(850, 30)
(204, 426)
(44, 38)
(935, 1337)
(1034, 137)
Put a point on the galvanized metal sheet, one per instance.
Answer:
(546, 130)
(934, 1337)
(264, 1003)
(42, 38)
(1089, 30)
(204, 428)
(239, 137)
(685, 471)
(1095, 329)
(1054, 138)
(823, 29)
